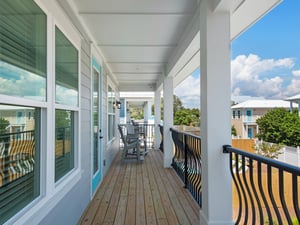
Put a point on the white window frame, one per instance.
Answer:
(76, 109)
(50, 192)
(112, 114)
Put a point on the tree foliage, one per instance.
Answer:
(188, 117)
(181, 115)
(280, 126)
(137, 113)
(233, 130)
(3, 124)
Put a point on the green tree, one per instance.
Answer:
(62, 118)
(280, 126)
(137, 113)
(188, 117)
(233, 130)
(3, 124)
(182, 115)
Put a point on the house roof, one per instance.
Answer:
(263, 104)
(294, 98)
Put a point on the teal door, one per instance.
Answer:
(250, 132)
(96, 124)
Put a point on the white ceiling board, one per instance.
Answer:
(134, 67)
(136, 53)
(137, 76)
(142, 41)
(145, 6)
(136, 29)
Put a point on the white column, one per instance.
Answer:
(168, 121)
(157, 119)
(146, 113)
(215, 115)
(291, 107)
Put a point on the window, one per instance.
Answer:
(19, 159)
(64, 142)
(66, 70)
(233, 114)
(22, 50)
(111, 113)
(239, 114)
(23, 44)
(66, 86)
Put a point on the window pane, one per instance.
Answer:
(110, 96)
(19, 158)
(66, 70)
(22, 50)
(95, 120)
(64, 142)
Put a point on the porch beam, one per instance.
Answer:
(168, 121)
(215, 115)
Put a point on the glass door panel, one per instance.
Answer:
(96, 125)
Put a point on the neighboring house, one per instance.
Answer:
(245, 114)
(19, 118)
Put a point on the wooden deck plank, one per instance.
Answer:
(101, 212)
(91, 211)
(183, 210)
(131, 203)
(141, 194)
(114, 200)
(157, 202)
(149, 206)
(163, 188)
(140, 201)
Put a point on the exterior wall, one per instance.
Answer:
(238, 124)
(110, 149)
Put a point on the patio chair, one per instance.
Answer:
(133, 131)
(131, 148)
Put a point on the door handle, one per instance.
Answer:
(101, 137)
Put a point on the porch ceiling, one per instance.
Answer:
(142, 41)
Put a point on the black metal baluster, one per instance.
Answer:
(259, 177)
(270, 190)
(239, 187)
(251, 166)
(248, 189)
(295, 195)
(282, 198)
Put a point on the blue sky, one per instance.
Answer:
(265, 60)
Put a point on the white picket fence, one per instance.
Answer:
(290, 155)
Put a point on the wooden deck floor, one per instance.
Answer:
(141, 194)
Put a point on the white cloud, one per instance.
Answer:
(253, 76)
(293, 88)
(296, 73)
(189, 92)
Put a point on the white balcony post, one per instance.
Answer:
(215, 115)
(146, 113)
(157, 119)
(168, 121)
